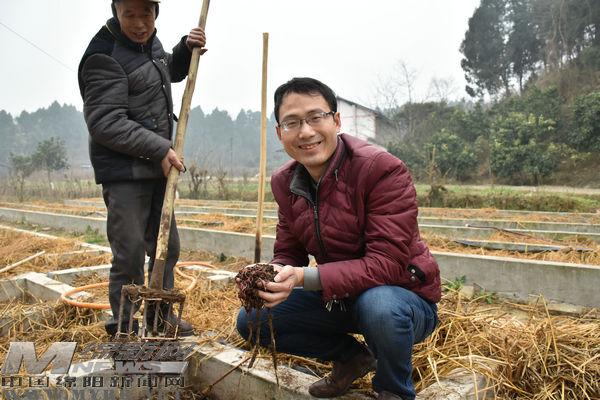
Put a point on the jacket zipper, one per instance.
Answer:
(317, 225)
(164, 90)
(315, 207)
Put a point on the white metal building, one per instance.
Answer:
(363, 122)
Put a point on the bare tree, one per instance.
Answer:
(198, 179)
(407, 77)
(441, 89)
(197, 171)
(398, 87)
(220, 176)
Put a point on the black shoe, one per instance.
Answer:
(112, 325)
(184, 327)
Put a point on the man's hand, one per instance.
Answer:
(196, 38)
(171, 160)
(286, 279)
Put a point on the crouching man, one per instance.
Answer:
(353, 207)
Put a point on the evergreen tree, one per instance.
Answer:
(523, 46)
(50, 156)
(486, 63)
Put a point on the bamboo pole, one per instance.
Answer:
(156, 280)
(23, 261)
(262, 169)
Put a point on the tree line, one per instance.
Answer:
(532, 70)
(533, 115)
(511, 42)
(213, 140)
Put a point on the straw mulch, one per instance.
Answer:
(58, 322)
(16, 246)
(568, 255)
(222, 222)
(42, 206)
(525, 352)
(480, 213)
(268, 205)
(493, 213)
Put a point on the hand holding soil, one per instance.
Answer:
(284, 282)
(250, 280)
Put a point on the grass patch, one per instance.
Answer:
(508, 199)
(93, 236)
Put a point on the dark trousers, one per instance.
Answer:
(134, 210)
(390, 318)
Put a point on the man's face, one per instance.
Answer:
(136, 18)
(311, 146)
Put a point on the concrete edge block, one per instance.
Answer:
(40, 287)
(12, 289)
(460, 384)
(211, 361)
(69, 275)
(559, 282)
(220, 281)
(206, 271)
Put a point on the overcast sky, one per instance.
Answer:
(348, 44)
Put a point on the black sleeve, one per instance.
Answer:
(179, 61)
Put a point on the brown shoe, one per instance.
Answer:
(344, 373)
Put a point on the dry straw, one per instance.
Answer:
(523, 350)
(60, 253)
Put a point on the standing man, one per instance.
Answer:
(353, 207)
(125, 80)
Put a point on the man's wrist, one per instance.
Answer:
(299, 271)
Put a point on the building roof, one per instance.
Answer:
(376, 112)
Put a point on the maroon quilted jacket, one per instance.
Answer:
(362, 229)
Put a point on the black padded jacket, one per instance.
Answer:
(127, 103)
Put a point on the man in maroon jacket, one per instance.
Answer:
(353, 207)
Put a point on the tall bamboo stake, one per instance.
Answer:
(263, 151)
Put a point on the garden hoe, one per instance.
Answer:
(154, 298)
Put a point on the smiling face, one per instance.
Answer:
(311, 146)
(136, 18)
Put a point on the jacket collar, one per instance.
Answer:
(301, 179)
(115, 29)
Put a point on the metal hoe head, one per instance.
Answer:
(161, 315)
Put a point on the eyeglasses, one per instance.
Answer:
(314, 120)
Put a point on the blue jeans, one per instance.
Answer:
(391, 319)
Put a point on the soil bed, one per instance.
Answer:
(17, 246)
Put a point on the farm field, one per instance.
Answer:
(576, 249)
(479, 331)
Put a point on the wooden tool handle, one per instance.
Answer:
(156, 280)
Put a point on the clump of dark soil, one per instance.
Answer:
(249, 280)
